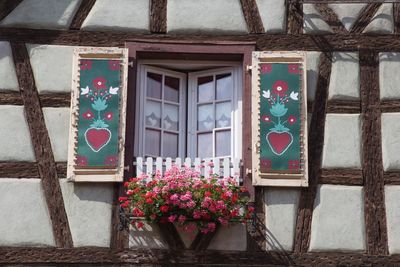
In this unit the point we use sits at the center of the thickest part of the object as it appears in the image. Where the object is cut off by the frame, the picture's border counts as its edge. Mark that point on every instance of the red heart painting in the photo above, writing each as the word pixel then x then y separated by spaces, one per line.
pixel 97 138
pixel 279 141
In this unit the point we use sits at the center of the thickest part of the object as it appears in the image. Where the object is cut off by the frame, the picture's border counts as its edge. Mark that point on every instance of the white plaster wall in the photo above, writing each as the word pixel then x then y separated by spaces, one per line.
pixel 117 15
pixel 342 143
pixel 338 219
pixel 205 16
pixel 49 14
pixel 392 202
pixel 24 217
pixel 148 237
pixel 273 15
pixel 8 77
pixel 382 22
pixel 52 67
pixel 345 77
pixel 347 13
pixel 88 207
pixel 312 73
pixel 232 237
pixel 57 123
pixel 313 22
pixel 281 211
pixel 390 141
pixel 389 78
pixel 15 139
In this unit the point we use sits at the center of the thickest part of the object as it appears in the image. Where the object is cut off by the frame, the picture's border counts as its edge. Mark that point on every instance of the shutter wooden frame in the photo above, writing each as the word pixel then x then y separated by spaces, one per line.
pixel 97 174
pixel 278 178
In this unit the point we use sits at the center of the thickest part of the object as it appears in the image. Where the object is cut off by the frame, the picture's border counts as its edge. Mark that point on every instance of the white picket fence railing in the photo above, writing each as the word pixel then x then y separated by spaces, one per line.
pixel 223 167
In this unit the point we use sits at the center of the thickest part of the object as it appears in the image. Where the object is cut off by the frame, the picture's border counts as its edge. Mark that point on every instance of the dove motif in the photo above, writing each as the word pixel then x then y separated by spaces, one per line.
pixel 294 96
pixel 266 94
pixel 114 90
pixel 85 90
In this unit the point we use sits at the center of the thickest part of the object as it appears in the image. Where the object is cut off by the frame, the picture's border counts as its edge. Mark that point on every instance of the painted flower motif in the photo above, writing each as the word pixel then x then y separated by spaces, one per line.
pixel 266 68
pixel 279 88
pixel 109 116
pixel 88 115
pixel 265 164
pixel 293 68
pixel 81 160
pixel 99 83
pixel 111 160
pixel 293 164
pixel 266 118
pixel 292 119
pixel 113 65
pixel 86 64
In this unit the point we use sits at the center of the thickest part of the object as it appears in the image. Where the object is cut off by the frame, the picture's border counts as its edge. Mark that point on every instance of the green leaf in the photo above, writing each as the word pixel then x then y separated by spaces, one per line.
pixel 99 104
pixel 99 124
pixel 278 110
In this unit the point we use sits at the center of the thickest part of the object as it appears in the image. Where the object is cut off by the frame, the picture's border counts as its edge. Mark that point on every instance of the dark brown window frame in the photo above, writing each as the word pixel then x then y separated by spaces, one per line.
pixel 190 50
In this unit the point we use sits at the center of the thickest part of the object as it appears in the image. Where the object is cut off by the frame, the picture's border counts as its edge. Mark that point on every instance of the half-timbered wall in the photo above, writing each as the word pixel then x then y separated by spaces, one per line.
pixel 350 213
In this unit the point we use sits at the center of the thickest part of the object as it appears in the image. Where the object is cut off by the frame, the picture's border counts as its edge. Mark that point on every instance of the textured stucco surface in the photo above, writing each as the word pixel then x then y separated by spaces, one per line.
pixel 48 14
pixel 338 219
pixel 8 77
pixel 15 139
pixel 312 73
pixel 392 200
pixel 342 144
pixel 391 141
pixel 24 218
pixel 205 16
pixel 281 211
pixel 232 237
pixel 117 15
pixel 147 237
pixel 88 208
pixel 313 22
pixel 52 67
pixel 345 77
pixel 348 13
pixel 57 123
pixel 273 15
pixel 389 78
pixel 382 22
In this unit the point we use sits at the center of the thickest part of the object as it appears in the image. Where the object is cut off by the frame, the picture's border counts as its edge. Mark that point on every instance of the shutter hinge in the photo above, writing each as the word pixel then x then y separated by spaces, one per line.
pixel 249 67
pixel 130 64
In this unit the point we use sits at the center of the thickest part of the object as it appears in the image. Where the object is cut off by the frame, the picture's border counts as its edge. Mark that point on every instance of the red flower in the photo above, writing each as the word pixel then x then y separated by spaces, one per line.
pixel 207 194
pixel 111 160
pixel 266 68
pixel 81 160
pixel 293 165
pixel 88 115
pixel 279 88
pixel 99 83
pixel 292 119
pixel 139 225
pixel 113 65
pixel 86 64
pixel 293 68
pixel 164 209
pixel 109 116
pixel 122 199
pixel 149 201
pixel 266 118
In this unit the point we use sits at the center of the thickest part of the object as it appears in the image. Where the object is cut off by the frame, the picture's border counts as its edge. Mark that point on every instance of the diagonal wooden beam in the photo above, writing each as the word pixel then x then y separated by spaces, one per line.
pixel 42 147
pixel 374 194
pixel 7 6
pixel 171 236
pixel 202 241
pixel 252 16
pixel 316 134
pixel 330 17
pixel 365 17
pixel 294 16
pixel 81 14
pixel 158 16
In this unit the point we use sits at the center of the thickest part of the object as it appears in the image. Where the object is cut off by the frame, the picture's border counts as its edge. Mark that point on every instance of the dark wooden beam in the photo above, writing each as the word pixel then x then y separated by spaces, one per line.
pixel 158 16
pixel 7 6
pixel 316 134
pixel 392 178
pixel 257 230
pixel 294 17
pixel 119 237
pixel 330 17
pixel 202 241
pixel 344 106
pixel 55 100
pixel 171 236
pixel 252 16
pixel 392 105
pixel 10 98
pixel 42 146
pixel 365 17
pixel 81 14
pixel 396 17
pixel 341 177
pixel 374 194
pixel 19 170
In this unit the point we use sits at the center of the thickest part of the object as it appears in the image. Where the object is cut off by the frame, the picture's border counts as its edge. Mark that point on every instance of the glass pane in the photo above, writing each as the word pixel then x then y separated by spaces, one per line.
pixel 171 89
pixel 171 117
pixel 152 142
pixel 205 117
pixel 204 145
pixel 224 86
pixel 223 143
pixel 170 145
pixel 153 114
pixel 223 114
pixel 154 82
pixel 205 92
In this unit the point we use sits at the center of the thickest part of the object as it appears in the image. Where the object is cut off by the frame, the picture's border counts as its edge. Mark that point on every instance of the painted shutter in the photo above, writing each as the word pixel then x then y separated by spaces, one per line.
pixel 98 109
pixel 279 119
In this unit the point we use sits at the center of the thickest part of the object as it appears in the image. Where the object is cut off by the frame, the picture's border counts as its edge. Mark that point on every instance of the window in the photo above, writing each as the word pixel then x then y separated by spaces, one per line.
pixel 187 112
